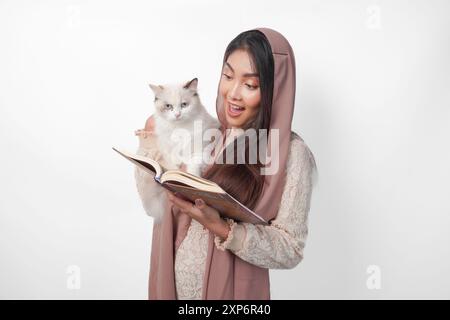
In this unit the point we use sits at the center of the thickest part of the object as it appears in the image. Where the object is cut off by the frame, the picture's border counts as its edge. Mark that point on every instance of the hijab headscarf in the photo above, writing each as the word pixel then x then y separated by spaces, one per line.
pixel 226 275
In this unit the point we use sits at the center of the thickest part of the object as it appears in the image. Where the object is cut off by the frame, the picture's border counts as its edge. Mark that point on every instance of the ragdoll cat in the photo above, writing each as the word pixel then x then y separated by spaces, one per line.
pixel 177 109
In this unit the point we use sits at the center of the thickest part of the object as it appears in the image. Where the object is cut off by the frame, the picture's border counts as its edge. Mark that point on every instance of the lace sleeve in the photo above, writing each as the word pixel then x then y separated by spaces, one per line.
pixel 279 245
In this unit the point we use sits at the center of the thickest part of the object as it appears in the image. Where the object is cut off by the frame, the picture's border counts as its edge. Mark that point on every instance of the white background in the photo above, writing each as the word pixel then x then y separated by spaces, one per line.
pixel 372 103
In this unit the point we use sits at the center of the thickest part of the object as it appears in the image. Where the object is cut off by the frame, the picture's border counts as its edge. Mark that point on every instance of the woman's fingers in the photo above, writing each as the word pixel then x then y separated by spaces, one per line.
pixel 150 124
pixel 199 203
pixel 182 204
pixel 199 211
pixel 143 133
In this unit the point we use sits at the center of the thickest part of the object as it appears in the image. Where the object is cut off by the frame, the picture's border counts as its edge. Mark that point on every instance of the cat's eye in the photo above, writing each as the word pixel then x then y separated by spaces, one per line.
pixel 168 106
pixel 184 105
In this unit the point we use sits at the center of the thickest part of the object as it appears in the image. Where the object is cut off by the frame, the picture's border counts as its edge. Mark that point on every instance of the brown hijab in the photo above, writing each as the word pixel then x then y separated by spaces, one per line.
pixel 226 275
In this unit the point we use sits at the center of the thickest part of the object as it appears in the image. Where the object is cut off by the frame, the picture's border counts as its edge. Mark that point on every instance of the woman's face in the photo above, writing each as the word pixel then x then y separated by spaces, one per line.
pixel 239 88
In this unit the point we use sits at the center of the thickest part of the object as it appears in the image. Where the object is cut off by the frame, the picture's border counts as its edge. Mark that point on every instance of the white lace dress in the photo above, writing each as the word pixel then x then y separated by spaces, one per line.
pixel 276 246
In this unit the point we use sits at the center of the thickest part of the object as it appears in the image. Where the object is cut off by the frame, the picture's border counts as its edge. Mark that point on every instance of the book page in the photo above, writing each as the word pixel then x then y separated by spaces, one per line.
pixel 190 180
pixel 147 164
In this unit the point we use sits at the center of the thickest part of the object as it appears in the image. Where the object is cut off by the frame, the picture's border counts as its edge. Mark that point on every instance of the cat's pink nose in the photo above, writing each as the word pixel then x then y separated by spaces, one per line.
pixel 177 115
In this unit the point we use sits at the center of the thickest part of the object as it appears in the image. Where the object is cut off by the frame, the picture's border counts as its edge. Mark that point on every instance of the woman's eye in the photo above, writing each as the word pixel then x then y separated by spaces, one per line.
pixel 251 87
pixel 227 76
pixel 168 106
pixel 184 105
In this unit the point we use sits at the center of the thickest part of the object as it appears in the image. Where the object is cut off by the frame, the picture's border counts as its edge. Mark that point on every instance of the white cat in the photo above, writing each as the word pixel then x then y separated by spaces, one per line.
pixel 177 110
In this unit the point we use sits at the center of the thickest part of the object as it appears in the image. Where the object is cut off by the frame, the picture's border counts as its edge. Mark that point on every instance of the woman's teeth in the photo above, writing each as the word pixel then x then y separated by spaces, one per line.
pixel 234 111
pixel 236 108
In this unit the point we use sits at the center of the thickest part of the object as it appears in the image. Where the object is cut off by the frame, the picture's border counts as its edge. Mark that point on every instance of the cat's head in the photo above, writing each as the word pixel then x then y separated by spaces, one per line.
pixel 176 102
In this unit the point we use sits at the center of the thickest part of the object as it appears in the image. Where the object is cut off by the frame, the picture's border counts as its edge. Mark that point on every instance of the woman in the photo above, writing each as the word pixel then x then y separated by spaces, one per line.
pixel 196 254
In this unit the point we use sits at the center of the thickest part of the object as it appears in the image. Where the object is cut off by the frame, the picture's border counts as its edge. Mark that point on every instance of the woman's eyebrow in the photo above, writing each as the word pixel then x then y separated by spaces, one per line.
pixel 245 74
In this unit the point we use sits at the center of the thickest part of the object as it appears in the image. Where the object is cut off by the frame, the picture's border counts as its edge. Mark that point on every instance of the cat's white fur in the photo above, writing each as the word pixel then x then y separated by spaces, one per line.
pixel 167 146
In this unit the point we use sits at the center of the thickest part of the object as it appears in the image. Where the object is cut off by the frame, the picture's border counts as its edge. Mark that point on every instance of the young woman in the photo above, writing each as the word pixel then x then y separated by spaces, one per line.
pixel 196 254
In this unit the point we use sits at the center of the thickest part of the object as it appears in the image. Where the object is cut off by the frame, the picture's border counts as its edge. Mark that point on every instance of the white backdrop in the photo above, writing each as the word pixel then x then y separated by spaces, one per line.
pixel 372 103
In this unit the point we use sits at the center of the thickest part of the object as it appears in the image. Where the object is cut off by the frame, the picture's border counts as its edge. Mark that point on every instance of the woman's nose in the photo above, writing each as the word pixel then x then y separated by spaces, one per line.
pixel 234 92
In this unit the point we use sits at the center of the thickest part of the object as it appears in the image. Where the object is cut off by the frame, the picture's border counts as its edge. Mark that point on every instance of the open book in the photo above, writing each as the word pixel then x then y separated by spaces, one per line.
pixel 191 187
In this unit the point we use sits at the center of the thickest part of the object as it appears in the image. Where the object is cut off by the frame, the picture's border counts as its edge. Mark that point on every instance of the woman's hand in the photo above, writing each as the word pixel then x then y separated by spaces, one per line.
pixel 204 214
pixel 149 128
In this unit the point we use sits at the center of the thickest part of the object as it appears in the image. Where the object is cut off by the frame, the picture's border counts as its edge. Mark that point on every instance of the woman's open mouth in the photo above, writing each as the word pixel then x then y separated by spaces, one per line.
pixel 234 110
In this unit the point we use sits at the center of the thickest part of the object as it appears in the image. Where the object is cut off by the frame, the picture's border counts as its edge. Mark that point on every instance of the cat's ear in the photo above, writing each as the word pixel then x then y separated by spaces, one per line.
pixel 156 89
pixel 191 84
